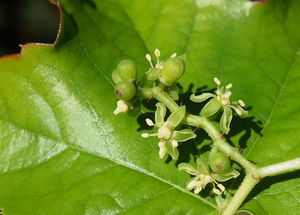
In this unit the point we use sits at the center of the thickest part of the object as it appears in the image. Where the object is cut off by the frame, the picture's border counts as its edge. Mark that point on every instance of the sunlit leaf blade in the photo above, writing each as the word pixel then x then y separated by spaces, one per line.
pixel 63 152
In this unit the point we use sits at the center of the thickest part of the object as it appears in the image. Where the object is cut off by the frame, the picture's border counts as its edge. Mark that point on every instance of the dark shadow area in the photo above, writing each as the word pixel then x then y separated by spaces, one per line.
pixel 89 2
pixel 267 182
pixel 193 148
pixel 142 121
pixel 26 21
pixel 184 98
pixel 247 125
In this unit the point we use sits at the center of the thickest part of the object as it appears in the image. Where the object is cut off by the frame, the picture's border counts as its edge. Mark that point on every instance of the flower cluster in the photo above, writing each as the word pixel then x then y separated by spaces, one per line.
pixel 160 82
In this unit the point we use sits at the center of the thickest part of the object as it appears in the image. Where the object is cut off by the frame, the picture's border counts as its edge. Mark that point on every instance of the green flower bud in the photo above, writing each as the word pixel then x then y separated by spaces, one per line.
pixel 125 90
pixel 219 162
pixel 172 70
pixel 115 76
pixel 127 70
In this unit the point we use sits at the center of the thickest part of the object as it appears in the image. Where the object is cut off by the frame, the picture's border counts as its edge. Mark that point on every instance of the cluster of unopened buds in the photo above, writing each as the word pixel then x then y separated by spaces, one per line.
pixel 214 167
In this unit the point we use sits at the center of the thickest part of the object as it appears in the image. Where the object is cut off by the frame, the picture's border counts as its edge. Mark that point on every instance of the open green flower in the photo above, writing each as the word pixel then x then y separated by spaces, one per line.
pixel 221 99
pixel 202 177
pixel 168 136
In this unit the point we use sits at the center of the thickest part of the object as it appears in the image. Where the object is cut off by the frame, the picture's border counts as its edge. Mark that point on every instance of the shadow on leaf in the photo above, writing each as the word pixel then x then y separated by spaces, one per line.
pixel 200 145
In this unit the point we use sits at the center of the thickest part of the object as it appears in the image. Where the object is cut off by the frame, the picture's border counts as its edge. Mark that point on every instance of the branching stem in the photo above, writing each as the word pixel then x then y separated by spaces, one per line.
pixel 253 173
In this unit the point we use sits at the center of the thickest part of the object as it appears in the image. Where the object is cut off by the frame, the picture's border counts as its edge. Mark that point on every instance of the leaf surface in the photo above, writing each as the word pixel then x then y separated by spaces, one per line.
pixel 63 152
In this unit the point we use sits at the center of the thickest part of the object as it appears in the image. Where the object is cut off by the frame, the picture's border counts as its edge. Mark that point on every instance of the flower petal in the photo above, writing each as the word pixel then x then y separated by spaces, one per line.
pixel 239 110
pixel 211 107
pixel 202 166
pixel 162 150
pixel 171 150
pixel 226 120
pixel 187 168
pixel 160 114
pixel 174 154
pixel 226 176
pixel 184 135
pixel 176 117
pixel 202 97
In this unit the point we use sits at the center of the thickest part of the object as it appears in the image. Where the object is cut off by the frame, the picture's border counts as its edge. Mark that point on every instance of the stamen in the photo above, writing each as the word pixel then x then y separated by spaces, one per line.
pixel 216 191
pixel 229 86
pixel 174 143
pixel 241 103
pixel 173 55
pixel 157 53
pixel 149 122
pixel 222 188
pixel 148 57
pixel 217 81
pixel 145 135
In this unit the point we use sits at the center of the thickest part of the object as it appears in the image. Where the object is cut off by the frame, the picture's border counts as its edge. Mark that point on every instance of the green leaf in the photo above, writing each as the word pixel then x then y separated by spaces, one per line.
pixel 63 152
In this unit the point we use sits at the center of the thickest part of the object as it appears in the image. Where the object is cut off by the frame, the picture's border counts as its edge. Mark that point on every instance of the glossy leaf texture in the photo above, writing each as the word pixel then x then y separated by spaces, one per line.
pixel 63 152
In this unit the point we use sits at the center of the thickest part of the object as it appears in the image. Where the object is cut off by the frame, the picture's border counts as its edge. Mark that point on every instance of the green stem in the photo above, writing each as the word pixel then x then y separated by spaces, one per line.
pixel 280 168
pixel 241 194
pixel 164 98
pixel 219 141
pixel 253 173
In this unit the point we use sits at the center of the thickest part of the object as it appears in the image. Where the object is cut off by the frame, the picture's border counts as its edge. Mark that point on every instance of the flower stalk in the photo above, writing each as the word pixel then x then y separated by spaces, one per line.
pixel 159 82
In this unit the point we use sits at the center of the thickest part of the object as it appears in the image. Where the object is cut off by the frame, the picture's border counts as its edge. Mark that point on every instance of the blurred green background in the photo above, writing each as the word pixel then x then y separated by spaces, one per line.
pixel 23 21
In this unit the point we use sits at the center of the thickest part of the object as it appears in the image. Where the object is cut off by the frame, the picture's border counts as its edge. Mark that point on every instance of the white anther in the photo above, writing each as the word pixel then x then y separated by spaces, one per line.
pixel 216 191
pixel 145 135
pixel 173 55
pixel 217 81
pixel 148 57
pixel 174 143
pixel 229 86
pixel 221 187
pixel 122 107
pixel 149 122
pixel 157 53
pixel 241 103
